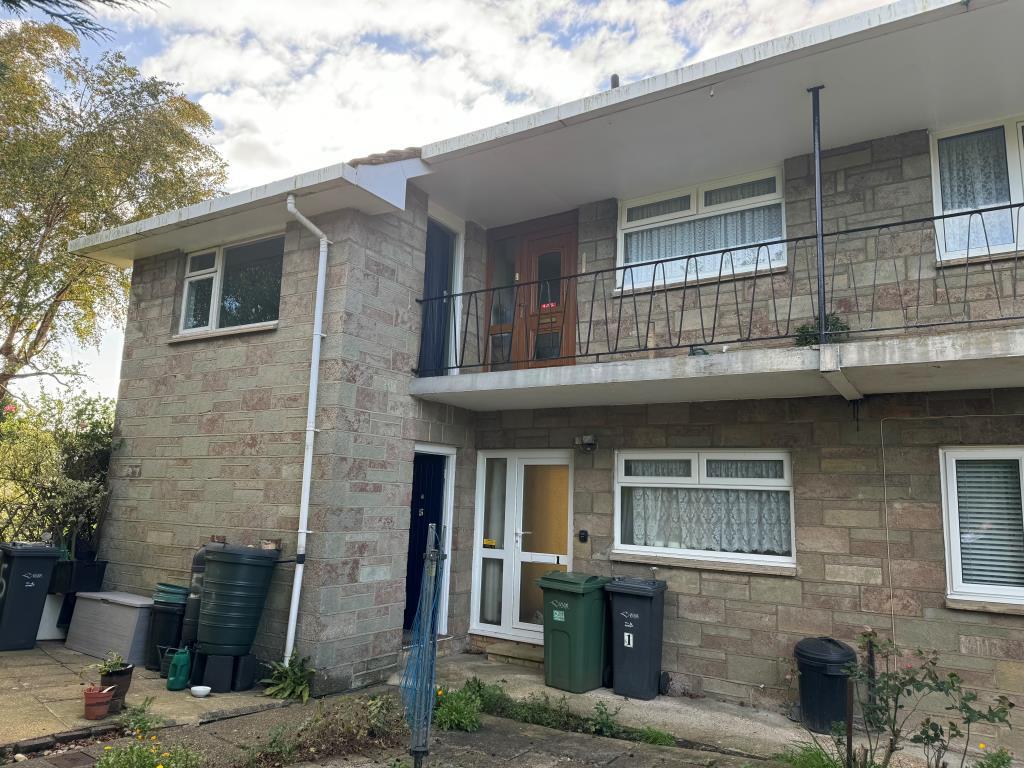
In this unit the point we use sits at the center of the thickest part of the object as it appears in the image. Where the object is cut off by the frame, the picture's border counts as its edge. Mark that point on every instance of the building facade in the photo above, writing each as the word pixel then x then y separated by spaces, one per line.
pixel 576 342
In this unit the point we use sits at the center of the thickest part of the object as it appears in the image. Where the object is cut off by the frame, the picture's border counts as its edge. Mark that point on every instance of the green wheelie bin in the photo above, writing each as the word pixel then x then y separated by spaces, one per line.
pixel 575 631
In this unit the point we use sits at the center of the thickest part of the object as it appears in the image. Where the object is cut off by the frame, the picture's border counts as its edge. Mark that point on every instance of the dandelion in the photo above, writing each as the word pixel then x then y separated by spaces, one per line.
pixel 981 745
pixel 166 754
pixel 152 738
pixel 107 749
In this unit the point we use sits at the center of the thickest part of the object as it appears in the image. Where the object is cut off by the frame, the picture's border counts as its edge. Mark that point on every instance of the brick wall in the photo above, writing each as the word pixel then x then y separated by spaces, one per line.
pixel 869 531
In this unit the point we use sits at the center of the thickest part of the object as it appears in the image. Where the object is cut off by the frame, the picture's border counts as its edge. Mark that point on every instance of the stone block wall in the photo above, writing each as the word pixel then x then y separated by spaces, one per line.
pixel 211 435
pixel 881 279
pixel 869 532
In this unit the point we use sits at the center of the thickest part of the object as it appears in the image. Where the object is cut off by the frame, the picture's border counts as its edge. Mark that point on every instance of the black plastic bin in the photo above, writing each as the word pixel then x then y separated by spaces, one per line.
pixel 25 571
pixel 638 622
pixel 164 630
pixel 823 664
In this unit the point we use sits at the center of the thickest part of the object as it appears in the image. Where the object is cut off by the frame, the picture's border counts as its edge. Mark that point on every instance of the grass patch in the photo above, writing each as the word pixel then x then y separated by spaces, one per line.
pixel 540 709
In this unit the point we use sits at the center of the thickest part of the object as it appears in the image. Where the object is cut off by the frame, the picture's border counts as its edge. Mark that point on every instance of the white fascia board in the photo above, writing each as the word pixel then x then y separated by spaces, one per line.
pixel 868 24
pixel 384 185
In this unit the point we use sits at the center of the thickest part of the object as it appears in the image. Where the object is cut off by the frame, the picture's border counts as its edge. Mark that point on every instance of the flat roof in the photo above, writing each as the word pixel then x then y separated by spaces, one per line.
pixel 626 141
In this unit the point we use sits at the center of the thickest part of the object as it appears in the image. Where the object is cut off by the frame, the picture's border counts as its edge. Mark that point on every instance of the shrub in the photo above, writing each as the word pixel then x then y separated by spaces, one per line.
pixel 602 722
pixel 457 710
pixel 54 456
pixel 289 680
pixel 999 758
pixel 137 719
pixel 838 330
pixel 149 754
pixel 890 699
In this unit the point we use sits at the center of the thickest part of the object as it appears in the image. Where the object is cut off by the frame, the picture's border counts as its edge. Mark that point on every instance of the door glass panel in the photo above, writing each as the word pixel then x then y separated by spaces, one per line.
pixel 503 275
pixel 531 597
pixel 494 504
pixel 549 345
pixel 545 523
pixel 501 351
pixel 491 576
pixel 549 281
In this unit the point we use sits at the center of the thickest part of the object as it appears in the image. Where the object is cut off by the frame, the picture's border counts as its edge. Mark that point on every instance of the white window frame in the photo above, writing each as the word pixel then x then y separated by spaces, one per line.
pixel 699 210
pixel 955 586
pixel 1013 128
pixel 699 479
pixel 217 272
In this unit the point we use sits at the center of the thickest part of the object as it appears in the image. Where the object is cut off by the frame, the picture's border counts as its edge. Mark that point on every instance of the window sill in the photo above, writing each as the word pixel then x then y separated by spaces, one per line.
pixel 984 606
pixel 1006 254
pixel 219 332
pixel 672 561
pixel 678 285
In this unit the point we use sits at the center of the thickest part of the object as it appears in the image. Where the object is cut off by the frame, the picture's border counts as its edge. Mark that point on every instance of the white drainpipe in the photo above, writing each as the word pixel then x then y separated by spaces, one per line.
pixel 307 457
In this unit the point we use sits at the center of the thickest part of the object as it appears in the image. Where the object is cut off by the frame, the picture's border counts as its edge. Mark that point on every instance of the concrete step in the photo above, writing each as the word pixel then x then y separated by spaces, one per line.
pixel 522 654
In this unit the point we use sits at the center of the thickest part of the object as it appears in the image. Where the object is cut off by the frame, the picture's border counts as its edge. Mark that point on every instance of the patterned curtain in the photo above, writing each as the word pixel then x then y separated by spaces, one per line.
pixel 711 233
pixel 973 174
pixel 711 519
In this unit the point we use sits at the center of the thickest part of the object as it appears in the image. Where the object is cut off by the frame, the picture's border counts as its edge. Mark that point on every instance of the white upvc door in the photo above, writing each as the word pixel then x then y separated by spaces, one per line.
pixel 523 530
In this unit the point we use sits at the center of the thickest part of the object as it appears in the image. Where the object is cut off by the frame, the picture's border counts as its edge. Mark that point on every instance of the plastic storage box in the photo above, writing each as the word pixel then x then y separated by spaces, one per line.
pixel 111 621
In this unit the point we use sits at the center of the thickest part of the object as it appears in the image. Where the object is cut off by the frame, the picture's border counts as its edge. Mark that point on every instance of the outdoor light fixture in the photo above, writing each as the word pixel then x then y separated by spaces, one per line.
pixel 585 443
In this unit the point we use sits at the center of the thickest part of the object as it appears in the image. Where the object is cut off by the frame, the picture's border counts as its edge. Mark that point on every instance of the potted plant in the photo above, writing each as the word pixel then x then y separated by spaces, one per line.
pixel 97 701
pixel 115 674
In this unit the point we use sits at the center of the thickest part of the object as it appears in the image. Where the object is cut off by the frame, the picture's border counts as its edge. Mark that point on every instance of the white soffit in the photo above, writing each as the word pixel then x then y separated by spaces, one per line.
pixel 372 189
pixel 907 66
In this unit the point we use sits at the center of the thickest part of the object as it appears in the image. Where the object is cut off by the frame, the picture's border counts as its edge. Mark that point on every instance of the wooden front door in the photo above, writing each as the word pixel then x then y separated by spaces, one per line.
pixel 531 307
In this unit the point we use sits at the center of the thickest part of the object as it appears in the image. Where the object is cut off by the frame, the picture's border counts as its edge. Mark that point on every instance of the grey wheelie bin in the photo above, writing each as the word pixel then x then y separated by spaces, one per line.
pixel 25 571
pixel 638 621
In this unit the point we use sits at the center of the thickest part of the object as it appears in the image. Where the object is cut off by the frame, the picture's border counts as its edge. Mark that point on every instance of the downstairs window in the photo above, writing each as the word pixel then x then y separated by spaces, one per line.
pixel 984 512
pixel 708 505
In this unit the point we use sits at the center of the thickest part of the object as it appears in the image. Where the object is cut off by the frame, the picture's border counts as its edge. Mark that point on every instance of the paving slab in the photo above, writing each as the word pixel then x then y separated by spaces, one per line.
pixel 41 694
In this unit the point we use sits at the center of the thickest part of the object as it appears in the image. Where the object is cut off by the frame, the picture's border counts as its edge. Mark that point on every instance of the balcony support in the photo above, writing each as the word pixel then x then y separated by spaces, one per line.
pixel 830 365
pixel 818 223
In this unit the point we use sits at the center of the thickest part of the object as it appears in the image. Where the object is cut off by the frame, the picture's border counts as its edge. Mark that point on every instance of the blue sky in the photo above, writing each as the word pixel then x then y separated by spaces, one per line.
pixel 299 85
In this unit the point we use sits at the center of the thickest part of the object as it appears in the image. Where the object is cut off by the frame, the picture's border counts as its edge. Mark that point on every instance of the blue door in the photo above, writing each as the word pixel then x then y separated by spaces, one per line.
pixel 426 508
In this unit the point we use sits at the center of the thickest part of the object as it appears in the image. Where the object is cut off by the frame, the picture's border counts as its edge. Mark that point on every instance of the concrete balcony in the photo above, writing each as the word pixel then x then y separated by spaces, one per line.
pixel 966 359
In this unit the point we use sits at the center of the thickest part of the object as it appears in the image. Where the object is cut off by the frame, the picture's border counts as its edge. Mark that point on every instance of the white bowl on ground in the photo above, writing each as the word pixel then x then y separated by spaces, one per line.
pixel 200 691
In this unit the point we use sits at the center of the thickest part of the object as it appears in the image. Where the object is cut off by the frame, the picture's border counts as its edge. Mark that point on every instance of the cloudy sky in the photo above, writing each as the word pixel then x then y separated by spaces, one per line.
pixel 297 85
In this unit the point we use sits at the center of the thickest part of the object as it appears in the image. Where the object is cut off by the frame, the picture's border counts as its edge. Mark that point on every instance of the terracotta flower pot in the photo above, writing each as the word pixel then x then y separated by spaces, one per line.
pixel 121 679
pixel 97 702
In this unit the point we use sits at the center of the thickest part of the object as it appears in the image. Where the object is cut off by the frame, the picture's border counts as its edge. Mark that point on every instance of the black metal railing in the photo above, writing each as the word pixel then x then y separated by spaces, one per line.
pixel 878 278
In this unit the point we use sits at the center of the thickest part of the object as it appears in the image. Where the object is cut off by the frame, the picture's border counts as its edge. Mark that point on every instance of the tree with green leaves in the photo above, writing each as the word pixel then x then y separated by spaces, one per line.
pixel 77 15
pixel 87 146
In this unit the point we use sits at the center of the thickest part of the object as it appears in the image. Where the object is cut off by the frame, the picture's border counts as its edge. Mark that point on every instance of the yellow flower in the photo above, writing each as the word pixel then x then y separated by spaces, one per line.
pixel 108 748
pixel 982 745
pixel 152 738
pixel 166 754
pixel 160 765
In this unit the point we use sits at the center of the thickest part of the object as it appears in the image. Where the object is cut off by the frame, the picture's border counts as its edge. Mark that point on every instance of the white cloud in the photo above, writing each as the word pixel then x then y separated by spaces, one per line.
pixel 298 86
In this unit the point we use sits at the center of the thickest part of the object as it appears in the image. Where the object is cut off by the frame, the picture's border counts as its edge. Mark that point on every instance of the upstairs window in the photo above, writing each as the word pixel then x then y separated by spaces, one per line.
pixel 232 286
pixel 975 170
pixel 984 523
pixel 728 220
pixel 708 505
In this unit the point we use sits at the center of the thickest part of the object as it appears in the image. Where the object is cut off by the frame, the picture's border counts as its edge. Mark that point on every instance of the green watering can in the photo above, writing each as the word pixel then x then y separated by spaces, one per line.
pixel 177 673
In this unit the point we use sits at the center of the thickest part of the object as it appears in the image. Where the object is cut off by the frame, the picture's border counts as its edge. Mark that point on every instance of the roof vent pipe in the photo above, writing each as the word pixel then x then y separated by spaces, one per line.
pixel 615 81
pixel 307 457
